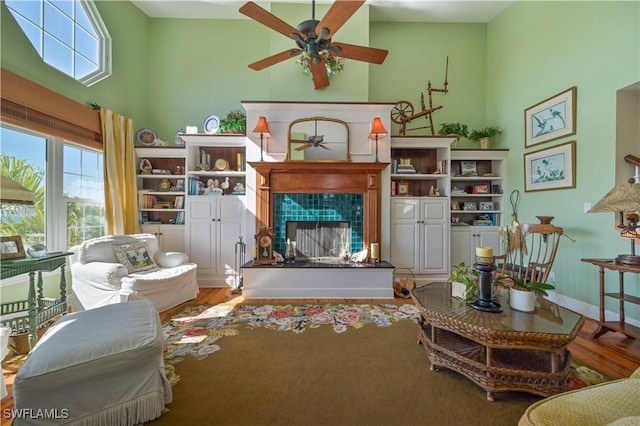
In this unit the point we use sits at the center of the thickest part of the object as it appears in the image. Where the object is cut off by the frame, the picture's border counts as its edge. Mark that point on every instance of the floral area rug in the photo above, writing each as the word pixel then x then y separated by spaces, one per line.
pixel 581 376
pixel 196 330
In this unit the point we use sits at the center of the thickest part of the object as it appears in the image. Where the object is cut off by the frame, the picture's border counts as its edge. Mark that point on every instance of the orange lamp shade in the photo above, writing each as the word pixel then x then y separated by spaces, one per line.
pixel 377 129
pixel 262 128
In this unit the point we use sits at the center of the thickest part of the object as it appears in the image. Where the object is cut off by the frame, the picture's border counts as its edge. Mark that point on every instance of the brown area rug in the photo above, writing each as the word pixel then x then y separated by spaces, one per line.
pixel 371 372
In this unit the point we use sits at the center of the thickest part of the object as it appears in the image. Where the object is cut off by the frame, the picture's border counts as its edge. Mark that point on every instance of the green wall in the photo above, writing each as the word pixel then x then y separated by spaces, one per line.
pixel 417 55
pixel 168 73
pixel 126 91
pixel 594 46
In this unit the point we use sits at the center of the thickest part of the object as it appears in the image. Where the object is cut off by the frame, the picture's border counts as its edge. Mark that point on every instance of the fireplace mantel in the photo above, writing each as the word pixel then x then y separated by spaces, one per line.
pixel 321 177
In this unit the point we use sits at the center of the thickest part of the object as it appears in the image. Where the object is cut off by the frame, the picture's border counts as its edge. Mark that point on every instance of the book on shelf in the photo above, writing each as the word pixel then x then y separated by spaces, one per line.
pixel 180 218
pixel 178 203
pixel 405 169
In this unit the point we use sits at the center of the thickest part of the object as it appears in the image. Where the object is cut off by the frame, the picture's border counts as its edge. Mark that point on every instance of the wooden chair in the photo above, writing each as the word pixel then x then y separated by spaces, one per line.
pixel 532 260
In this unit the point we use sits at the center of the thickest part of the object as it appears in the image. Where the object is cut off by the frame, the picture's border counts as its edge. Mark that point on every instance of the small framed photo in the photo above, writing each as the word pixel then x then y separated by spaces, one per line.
pixel 468 168
pixel 403 188
pixel 11 247
pixel 482 188
pixel 485 205
pixel 455 205
pixel 469 205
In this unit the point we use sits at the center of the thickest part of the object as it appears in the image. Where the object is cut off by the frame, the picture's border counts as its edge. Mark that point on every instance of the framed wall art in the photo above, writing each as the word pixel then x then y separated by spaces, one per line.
pixel 11 247
pixel 550 168
pixel 551 119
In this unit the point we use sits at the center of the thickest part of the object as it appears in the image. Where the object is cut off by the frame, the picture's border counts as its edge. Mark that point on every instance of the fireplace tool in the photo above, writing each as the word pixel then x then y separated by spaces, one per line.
pixel 240 250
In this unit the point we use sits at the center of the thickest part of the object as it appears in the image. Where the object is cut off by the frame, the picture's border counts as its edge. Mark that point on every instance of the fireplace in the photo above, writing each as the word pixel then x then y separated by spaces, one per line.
pixel 318 240
pixel 328 183
pixel 320 218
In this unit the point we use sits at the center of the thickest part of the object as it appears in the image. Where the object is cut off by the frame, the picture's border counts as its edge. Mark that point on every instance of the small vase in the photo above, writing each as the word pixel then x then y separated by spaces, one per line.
pixel 522 300
pixel 484 143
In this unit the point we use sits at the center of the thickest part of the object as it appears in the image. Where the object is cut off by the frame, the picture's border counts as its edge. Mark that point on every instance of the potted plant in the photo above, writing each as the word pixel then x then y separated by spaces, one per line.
pixel 483 135
pixel 522 294
pixel 454 129
pixel 464 282
pixel 235 122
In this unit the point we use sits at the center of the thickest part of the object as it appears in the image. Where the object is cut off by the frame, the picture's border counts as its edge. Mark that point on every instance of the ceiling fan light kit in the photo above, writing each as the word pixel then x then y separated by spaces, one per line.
pixel 313 38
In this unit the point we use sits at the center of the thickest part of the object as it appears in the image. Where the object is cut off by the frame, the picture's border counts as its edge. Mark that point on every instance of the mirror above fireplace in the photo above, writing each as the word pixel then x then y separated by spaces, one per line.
pixel 318 139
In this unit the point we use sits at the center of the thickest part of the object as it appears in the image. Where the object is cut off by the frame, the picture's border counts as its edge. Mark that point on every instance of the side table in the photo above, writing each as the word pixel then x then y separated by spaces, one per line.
pixel 27 315
pixel 605 326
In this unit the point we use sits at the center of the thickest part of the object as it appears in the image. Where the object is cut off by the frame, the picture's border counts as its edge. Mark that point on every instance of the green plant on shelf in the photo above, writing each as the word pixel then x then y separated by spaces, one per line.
pixel 458 129
pixel 487 132
pixel 235 122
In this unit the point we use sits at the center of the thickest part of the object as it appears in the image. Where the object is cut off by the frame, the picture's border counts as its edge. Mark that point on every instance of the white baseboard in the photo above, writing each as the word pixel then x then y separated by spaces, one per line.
pixel 585 309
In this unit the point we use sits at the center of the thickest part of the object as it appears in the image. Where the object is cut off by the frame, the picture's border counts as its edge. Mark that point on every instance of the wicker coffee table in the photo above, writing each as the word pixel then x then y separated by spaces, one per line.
pixel 505 351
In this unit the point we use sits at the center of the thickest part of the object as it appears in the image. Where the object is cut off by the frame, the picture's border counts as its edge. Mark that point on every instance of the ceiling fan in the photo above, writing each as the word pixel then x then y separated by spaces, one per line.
pixel 313 36
pixel 312 141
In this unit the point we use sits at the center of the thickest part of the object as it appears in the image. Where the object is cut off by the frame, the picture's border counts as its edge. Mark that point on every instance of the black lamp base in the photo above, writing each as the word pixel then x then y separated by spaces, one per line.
pixel 486 306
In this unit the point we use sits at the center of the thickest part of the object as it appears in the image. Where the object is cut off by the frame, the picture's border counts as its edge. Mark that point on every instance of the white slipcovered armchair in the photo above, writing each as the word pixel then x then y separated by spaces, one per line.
pixel 118 268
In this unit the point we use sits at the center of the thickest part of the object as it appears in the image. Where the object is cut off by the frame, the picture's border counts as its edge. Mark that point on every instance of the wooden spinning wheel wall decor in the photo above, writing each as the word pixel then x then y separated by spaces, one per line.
pixel 403 112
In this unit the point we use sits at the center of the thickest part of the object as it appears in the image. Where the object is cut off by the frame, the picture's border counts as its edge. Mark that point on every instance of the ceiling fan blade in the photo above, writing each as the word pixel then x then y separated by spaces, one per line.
pixel 339 12
pixel 359 53
pixel 325 147
pixel 303 147
pixel 319 72
pixel 274 59
pixel 265 17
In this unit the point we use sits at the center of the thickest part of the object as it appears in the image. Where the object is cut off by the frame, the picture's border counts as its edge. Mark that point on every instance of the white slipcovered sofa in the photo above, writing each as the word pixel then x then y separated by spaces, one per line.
pixel 119 268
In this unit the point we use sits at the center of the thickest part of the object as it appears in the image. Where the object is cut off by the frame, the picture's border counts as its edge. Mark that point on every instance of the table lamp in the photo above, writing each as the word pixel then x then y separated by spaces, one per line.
pixel 377 129
pixel 262 129
pixel 624 198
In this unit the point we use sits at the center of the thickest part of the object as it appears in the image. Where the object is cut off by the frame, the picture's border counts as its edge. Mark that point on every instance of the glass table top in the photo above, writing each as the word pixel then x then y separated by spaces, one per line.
pixel 548 318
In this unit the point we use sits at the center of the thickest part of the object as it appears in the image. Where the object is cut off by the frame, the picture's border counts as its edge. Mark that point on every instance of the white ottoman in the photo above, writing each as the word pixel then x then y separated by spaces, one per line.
pixel 102 366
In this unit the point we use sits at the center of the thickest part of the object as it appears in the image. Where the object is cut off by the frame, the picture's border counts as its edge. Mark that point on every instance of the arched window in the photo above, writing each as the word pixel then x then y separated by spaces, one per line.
pixel 69 35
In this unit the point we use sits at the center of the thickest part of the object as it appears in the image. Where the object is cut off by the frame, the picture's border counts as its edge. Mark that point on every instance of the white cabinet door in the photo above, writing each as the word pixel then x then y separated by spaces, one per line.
pixel 202 227
pixel 214 227
pixel 230 228
pixel 461 242
pixel 465 239
pixel 419 235
pixel 405 226
pixel 435 232
pixel 170 237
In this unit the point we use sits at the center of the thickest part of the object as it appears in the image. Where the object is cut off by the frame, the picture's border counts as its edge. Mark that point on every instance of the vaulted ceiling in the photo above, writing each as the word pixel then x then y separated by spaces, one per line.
pixel 381 10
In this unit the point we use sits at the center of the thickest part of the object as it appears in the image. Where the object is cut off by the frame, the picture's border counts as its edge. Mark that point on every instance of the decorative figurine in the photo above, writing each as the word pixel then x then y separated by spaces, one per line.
pixel 213 187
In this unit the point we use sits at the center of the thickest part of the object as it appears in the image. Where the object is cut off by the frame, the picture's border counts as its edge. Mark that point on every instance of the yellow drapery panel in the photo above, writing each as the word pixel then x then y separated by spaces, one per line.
pixel 121 201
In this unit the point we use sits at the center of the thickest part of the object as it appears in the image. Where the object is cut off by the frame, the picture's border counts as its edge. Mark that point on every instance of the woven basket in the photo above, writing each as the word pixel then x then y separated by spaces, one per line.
pixel 403 282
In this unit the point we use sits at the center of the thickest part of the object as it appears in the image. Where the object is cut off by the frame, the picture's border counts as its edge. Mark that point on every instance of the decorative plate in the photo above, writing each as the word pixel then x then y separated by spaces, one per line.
pixel 211 124
pixel 146 137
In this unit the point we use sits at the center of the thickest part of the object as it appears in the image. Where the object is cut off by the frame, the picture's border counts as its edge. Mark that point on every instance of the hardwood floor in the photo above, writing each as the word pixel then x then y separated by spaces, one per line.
pixel 612 354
